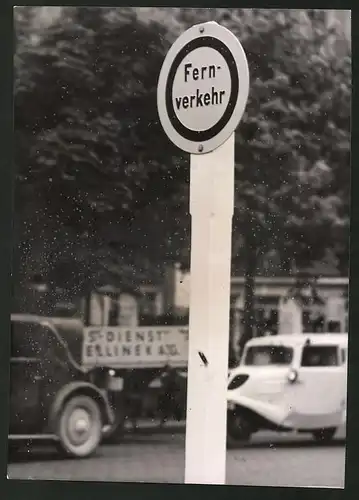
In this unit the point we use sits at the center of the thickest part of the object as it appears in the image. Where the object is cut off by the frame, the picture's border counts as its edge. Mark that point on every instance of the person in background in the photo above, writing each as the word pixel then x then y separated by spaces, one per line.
pixel 169 400
pixel 134 394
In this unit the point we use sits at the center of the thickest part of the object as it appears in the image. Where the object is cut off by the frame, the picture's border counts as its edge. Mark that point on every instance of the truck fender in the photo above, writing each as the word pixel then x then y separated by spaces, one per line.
pixel 83 388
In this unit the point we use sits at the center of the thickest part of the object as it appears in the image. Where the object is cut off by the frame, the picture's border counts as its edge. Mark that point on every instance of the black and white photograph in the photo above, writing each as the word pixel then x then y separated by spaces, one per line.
pixel 181 223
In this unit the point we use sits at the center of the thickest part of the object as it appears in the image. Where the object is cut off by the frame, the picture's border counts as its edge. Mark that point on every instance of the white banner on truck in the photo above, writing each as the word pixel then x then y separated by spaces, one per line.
pixel 144 346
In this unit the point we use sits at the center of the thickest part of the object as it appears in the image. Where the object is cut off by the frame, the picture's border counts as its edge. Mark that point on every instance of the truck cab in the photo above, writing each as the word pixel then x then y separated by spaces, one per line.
pixel 52 396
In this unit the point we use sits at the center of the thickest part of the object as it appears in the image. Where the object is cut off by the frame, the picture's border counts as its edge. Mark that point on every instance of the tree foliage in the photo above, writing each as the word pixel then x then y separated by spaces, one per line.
pixel 292 146
pixel 293 143
pixel 96 198
pixel 96 170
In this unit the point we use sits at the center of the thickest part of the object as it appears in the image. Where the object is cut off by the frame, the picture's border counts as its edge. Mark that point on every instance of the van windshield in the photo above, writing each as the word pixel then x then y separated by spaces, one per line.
pixel 266 355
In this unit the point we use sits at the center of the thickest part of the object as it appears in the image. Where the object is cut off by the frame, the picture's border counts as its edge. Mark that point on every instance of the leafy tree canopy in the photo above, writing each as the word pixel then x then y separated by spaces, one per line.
pixel 95 170
pixel 293 144
pixel 97 182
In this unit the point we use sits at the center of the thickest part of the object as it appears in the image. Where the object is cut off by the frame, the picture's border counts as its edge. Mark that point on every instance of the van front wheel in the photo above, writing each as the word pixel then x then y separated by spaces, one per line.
pixel 324 435
pixel 239 429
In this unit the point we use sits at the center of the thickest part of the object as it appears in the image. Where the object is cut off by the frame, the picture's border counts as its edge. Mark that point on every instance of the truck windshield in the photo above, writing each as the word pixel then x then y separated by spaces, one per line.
pixel 266 355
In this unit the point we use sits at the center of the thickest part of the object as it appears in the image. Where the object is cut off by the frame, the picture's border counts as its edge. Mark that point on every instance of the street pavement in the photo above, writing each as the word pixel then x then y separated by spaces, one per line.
pixel 270 460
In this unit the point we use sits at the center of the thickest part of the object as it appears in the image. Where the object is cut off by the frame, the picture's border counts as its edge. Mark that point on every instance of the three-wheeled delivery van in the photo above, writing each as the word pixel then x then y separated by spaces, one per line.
pixel 289 383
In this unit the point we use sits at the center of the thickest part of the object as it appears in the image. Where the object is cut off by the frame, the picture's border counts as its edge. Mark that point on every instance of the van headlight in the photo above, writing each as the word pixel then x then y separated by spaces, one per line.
pixel 237 381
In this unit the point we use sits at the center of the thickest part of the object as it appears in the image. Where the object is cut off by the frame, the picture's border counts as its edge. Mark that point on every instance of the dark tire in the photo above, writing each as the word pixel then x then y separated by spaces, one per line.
pixel 79 427
pixel 324 435
pixel 239 430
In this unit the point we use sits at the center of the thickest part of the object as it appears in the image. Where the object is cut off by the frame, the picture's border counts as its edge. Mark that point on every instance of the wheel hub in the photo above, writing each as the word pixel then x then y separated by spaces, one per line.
pixel 79 426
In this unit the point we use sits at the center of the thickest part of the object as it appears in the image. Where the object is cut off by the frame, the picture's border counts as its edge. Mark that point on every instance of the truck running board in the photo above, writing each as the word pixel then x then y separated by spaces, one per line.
pixel 28 437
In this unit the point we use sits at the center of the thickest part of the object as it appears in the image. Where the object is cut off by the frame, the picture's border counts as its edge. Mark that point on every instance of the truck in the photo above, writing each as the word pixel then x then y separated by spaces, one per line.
pixel 128 360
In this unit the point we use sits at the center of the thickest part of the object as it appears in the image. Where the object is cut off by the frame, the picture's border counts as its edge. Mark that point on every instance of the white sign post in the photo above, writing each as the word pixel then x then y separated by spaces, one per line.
pixel 202 93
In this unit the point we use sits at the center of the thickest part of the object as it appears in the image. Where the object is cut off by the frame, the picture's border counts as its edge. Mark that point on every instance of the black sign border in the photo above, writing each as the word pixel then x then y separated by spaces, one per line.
pixel 202 135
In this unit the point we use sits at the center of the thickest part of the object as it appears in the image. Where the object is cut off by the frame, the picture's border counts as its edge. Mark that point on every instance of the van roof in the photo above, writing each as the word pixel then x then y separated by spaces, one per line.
pixel 293 339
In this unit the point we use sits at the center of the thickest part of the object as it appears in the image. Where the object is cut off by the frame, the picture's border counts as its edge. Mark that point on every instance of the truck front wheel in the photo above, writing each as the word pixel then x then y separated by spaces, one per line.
pixel 79 426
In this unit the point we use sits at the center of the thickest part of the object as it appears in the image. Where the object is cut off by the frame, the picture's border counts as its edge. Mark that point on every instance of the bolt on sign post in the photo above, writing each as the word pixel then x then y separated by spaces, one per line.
pixel 201 96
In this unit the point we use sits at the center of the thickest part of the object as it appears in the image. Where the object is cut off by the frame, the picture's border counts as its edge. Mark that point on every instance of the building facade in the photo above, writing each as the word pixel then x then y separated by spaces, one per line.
pixel 173 297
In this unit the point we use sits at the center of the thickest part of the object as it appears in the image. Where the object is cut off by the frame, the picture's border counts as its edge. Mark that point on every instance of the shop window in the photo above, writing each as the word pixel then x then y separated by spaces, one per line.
pixel 334 326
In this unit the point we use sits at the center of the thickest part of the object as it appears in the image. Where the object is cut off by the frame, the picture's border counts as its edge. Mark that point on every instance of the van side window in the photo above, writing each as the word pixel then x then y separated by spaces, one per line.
pixel 320 356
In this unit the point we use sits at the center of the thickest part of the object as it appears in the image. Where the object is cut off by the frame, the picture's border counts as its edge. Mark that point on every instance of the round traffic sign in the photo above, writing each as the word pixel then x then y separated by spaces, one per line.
pixel 203 88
